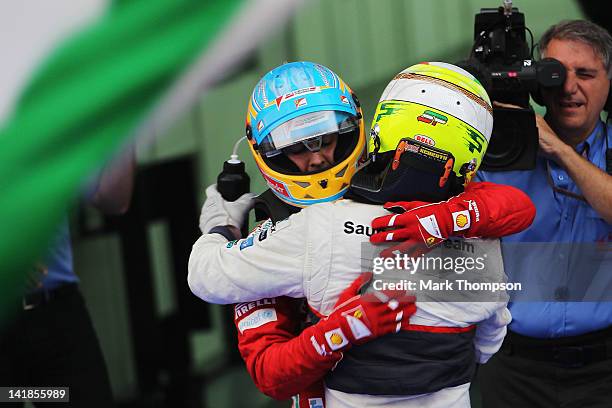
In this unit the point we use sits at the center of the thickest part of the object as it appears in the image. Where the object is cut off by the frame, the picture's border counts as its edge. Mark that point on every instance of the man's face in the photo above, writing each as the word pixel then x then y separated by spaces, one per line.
pixel 308 161
pixel 573 110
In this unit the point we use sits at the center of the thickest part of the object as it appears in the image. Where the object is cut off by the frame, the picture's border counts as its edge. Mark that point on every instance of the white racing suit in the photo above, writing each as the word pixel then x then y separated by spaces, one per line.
pixel 316 254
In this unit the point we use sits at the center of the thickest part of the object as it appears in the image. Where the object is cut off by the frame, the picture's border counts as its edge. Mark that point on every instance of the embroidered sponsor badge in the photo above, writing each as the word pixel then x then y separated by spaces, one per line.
pixel 257 318
pixel 473 207
pixel 461 220
pixel 336 339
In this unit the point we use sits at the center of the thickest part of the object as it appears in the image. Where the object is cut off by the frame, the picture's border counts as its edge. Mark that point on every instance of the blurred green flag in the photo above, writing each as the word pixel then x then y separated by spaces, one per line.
pixel 135 67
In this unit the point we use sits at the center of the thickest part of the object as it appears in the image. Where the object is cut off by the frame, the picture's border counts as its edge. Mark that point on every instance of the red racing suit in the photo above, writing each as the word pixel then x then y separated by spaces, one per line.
pixel 277 350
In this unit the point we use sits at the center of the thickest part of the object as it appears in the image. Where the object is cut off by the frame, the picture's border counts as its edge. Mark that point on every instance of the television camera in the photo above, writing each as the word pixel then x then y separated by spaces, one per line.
pixel 503 61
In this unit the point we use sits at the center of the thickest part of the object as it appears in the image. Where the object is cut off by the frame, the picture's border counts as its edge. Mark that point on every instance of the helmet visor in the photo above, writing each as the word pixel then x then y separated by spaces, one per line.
pixel 309 131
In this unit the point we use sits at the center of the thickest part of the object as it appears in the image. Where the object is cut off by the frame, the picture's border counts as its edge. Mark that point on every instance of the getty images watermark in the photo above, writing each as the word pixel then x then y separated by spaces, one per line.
pixel 440 273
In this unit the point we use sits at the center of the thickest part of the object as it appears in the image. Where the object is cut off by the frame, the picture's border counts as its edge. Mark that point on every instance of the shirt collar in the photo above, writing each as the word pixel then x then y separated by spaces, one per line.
pixel 595 137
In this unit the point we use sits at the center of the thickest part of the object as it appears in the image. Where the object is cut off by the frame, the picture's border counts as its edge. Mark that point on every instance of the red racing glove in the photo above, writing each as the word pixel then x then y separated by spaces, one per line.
pixel 357 319
pixel 283 364
pixel 484 210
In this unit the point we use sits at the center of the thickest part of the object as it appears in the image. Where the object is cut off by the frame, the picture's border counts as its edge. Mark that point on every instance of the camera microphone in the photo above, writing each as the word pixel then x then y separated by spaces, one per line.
pixel 507 7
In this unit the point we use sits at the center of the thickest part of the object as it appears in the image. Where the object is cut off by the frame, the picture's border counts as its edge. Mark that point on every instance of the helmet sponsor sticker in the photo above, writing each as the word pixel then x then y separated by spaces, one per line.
pixel 432 118
pixel 461 220
pixel 257 318
pixel 435 154
pixel 388 108
pixel 336 339
pixel 424 139
pixel 411 148
pixel 344 99
pixel 288 96
pixel 324 72
pixel 473 139
pixel 300 102
pixel 276 185
pixel 260 125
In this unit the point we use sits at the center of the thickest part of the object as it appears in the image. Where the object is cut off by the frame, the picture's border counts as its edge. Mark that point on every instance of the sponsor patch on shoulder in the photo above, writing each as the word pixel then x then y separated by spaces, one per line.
pixel 257 318
pixel 247 242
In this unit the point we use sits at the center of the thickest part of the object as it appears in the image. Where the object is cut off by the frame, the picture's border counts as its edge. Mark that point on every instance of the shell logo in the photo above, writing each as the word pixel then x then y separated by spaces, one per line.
pixel 358 314
pixel 461 220
pixel 336 339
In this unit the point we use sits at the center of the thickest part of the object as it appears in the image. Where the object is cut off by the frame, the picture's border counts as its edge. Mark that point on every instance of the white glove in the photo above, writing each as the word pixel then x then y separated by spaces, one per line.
pixel 218 212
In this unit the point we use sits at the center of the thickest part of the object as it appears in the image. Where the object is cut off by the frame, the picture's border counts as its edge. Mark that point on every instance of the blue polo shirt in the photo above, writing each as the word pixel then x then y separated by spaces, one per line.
pixel 563 259
pixel 59 256
pixel 59 260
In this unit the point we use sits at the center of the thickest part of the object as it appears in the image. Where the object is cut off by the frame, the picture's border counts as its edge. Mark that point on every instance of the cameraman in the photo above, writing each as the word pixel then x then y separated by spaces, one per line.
pixel 558 353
